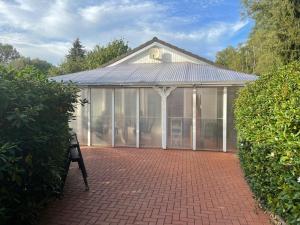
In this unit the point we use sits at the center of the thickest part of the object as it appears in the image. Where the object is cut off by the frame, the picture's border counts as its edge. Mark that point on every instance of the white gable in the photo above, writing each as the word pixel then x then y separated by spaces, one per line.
pixel 168 55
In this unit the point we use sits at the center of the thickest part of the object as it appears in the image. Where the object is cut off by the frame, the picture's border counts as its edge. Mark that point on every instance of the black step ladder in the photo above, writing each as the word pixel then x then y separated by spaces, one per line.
pixel 74 155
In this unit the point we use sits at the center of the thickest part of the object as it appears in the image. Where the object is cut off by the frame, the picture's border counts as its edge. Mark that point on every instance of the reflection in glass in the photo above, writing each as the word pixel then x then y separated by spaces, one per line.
pixel 80 122
pixel 179 113
pixel 150 118
pixel 101 99
pixel 209 118
pixel 125 117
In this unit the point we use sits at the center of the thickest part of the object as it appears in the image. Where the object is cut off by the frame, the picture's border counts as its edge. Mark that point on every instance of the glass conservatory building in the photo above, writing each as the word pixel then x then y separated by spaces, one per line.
pixel 158 96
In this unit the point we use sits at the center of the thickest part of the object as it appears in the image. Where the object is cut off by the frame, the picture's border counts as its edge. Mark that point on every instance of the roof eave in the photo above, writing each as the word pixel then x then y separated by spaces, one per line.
pixel 151 84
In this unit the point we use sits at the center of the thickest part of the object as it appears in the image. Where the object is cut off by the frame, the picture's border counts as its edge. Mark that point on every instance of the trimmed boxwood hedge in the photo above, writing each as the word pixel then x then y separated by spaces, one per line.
pixel 267 114
pixel 34 132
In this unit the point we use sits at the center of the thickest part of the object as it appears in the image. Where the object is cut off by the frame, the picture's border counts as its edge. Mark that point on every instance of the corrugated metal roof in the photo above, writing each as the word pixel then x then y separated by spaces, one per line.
pixel 157 74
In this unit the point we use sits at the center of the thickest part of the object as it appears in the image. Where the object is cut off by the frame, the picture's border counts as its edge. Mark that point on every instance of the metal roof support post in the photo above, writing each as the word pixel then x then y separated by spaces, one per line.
pixel 113 118
pixel 164 121
pixel 137 117
pixel 164 92
pixel 194 118
pixel 89 117
pixel 225 119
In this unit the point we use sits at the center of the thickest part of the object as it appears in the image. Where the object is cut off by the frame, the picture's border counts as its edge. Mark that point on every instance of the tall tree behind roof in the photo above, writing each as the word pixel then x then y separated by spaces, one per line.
pixel 103 54
pixel 74 61
pixel 77 51
pixel 282 18
pixel 275 38
pixel 78 60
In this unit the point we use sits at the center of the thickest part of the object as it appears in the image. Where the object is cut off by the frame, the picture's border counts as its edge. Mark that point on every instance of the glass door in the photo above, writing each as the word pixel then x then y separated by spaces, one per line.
pixel 180 114
pixel 101 117
pixel 125 117
pixel 209 118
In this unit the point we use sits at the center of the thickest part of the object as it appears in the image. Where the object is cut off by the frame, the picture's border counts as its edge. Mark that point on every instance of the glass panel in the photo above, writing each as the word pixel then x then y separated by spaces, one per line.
pixel 209 118
pixel 150 118
pixel 231 131
pixel 80 122
pixel 180 113
pixel 125 117
pixel 101 99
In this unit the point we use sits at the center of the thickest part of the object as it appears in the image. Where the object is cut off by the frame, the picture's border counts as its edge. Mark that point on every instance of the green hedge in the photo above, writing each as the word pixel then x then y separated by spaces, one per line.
pixel 34 114
pixel 267 115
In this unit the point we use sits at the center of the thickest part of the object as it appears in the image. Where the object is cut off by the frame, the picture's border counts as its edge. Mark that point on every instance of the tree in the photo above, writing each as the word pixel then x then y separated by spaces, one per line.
pixel 227 58
pixel 267 121
pixel 74 61
pixel 103 54
pixel 34 116
pixel 239 58
pixel 10 57
pixel 8 53
pixel 23 62
pixel 281 18
pixel 78 60
pixel 77 51
pixel 274 40
pixel 72 66
pixel 55 71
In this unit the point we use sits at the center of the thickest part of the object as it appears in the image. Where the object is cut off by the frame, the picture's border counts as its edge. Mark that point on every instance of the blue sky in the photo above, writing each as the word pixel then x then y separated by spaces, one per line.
pixel 46 29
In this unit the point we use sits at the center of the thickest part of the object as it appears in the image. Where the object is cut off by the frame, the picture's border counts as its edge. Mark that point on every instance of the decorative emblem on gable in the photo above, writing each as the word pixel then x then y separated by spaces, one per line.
pixel 154 53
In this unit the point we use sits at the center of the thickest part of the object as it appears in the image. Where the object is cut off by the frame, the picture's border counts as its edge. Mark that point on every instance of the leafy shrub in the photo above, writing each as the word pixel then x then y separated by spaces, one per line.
pixel 268 122
pixel 34 115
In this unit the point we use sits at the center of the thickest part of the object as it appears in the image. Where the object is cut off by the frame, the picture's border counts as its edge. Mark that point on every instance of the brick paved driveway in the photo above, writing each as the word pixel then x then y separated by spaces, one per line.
pixel 152 186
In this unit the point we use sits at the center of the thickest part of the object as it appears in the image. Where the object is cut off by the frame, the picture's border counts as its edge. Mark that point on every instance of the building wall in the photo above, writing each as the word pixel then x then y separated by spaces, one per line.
pixel 80 121
pixel 137 113
pixel 231 131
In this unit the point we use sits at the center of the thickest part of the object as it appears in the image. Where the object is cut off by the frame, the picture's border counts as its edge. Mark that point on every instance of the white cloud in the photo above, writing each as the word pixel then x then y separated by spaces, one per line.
pixel 46 29
pixel 29 46
pixel 212 33
pixel 27 5
pixel 127 10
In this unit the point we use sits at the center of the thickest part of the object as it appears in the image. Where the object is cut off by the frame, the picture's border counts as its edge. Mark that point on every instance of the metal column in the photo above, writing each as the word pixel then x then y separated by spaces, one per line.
pixel 164 93
pixel 137 117
pixel 89 118
pixel 113 118
pixel 225 120
pixel 194 118
pixel 164 121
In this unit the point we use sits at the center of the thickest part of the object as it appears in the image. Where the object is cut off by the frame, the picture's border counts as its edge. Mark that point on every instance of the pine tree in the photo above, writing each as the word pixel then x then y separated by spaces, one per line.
pixel 77 51
pixel 75 61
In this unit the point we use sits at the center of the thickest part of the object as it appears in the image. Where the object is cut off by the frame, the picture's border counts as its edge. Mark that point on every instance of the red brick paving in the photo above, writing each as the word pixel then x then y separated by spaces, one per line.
pixel 156 187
